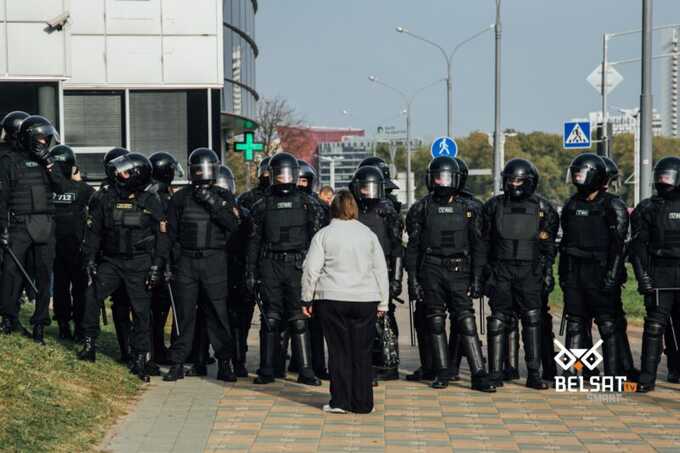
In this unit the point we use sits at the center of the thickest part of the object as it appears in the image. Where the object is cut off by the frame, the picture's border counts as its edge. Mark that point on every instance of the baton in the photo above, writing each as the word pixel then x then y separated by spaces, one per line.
pixel 672 327
pixel 174 309
pixel 482 302
pixel 260 305
pixel 563 322
pixel 102 304
pixel 410 322
pixel 21 268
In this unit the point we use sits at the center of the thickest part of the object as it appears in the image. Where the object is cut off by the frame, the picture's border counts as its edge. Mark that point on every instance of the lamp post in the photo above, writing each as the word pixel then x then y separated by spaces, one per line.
pixel 498 152
pixel 408 100
pixel 448 57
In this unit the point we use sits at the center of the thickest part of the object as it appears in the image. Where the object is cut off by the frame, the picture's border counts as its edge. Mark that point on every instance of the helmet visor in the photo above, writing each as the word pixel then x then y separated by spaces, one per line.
pixel 666 177
pixel 444 178
pixel 203 171
pixel 580 175
pixel 369 190
pixel 179 171
pixel 285 175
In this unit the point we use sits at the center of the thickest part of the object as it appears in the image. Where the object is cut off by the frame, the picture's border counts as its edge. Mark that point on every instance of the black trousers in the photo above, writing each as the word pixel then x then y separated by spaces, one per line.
pixel 128 274
pixel 517 287
pixel 70 283
pixel 281 289
pixel 207 273
pixel 349 328
pixel 13 280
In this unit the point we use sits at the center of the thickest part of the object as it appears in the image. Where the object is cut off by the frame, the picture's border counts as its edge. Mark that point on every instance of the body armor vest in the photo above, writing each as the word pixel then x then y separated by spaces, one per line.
pixel 32 190
pixel 128 229
pixel 664 238
pixel 373 219
pixel 586 234
pixel 517 226
pixel 446 229
pixel 197 231
pixel 285 223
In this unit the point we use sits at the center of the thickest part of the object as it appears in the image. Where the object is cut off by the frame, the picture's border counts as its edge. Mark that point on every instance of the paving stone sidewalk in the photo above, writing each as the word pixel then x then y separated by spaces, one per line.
pixel 204 415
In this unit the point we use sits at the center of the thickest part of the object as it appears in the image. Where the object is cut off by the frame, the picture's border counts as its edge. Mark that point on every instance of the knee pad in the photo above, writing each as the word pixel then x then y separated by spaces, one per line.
pixel 298 326
pixel 532 317
pixel 273 323
pixel 467 326
pixel 496 324
pixel 575 325
pixel 653 327
pixel 437 325
pixel 606 326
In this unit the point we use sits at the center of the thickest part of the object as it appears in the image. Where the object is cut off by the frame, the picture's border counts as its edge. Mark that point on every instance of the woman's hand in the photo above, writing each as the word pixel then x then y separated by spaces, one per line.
pixel 381 313
pixel 307 311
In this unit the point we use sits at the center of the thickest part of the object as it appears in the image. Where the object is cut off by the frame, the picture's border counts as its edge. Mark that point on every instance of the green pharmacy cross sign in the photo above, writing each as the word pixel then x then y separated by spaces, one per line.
pixel 248 147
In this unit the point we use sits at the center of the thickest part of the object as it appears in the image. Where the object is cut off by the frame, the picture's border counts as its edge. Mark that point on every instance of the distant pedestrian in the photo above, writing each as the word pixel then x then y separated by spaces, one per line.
pixel 347 280
pixel 326 194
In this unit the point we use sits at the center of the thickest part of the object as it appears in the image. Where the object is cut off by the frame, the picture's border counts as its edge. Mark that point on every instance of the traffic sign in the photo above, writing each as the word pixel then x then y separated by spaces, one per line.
pixel 248 146
pixel 613 78
pixel 444 146
pixel 577 135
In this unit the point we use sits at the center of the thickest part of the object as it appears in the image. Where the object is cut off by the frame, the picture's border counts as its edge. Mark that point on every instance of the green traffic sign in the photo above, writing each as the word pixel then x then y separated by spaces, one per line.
pixel 248 146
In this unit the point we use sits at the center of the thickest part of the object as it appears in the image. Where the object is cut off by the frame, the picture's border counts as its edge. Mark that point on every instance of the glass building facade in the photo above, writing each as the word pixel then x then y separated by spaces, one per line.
pixel 239 96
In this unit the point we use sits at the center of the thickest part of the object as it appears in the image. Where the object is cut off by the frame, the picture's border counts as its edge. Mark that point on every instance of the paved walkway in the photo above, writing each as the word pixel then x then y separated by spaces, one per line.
pixel 204 415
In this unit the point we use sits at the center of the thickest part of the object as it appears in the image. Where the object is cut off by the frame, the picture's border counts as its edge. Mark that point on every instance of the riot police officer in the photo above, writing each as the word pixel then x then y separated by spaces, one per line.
pixel 164 170
pixel 9 130
pixel 655 255
pixel 378 214
pixel 520 227
pixel 70 281
pixel 28 177
pixel 126 245
pixel 445 258
pixel 623 346
pixel 390 185
pixel 248 199
pixel 285 221
pixel 595 226
pixel 202 217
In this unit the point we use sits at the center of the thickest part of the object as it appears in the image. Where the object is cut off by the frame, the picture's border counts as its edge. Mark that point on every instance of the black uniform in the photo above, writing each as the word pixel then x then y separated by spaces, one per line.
pixel 27 212
pixel 655 255
pixel 521 235
pixel 284 224
pixel 126 238
pixel 202 225
pixel 70 281
pixel 248 199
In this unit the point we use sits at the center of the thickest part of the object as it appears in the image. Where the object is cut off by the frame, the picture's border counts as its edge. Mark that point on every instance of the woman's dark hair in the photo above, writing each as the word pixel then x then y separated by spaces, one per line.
pixel 343 206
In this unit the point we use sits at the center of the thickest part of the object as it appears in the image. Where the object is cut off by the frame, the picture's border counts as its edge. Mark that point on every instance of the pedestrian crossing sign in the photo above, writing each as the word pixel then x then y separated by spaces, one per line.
pixel 577 135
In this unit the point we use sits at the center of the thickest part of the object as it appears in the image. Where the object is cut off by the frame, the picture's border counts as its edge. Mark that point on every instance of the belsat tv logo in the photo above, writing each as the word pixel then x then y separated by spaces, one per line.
pixel 578 359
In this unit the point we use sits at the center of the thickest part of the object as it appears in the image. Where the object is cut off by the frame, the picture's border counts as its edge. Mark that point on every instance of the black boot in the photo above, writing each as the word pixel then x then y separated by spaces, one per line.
pixel 270 342
pixel 65 331
pixel 123 327
pixel 88 353
pixel 239 357
pixel 511 365
pixel 140 367
pixel 671 341
pixel 6 327
pixel 625 353
pixel 455 354
pixel 496 344
pixel 301 340
pixel 548 365
pixel 225 372
pixel 652 339
pixel 440 351
pixel 175 373
pixel 425 372
pixel 473 351
pixel 39 334
pixel 420 375
pixel 18 327
pixel 197 370
pixel 531 333
pixel 607 327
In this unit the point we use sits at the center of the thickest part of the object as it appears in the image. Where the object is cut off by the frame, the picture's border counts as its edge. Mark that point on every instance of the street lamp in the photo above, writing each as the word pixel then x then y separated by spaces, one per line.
pixel 408 100
pixel 448 57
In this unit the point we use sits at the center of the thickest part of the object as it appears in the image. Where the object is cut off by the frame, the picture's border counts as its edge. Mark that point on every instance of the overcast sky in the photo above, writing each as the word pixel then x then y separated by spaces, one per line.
pixel 318 54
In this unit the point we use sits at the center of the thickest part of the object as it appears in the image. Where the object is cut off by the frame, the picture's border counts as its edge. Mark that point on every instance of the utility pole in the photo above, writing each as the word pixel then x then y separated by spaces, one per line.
pixel 409 188
pixel 497 140
pixel 605 117
pixel 646 102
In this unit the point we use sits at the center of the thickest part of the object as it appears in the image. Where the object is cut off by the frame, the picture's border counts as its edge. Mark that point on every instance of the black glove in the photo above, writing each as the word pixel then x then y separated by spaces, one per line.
pixel 203 195
pixel 476 289
pixel 251 282
pixel 167 275
pixel 548 280
pixel 91 270
pixel 4 237
pixel 609 283
pixel 645 284
pixel 415 291
pixel 154 277
pixel 395 289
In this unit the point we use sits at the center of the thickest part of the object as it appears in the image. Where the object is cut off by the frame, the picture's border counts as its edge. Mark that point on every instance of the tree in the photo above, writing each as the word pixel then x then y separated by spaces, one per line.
pixel 273 113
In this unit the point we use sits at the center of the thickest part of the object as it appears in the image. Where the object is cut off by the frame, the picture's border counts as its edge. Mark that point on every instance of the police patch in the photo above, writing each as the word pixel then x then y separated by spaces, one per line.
pixel 674 216
pixel 31 164
pixel 64 198
pixel 581 213
pixel 284 205
pixel 123 205
pixel 445 210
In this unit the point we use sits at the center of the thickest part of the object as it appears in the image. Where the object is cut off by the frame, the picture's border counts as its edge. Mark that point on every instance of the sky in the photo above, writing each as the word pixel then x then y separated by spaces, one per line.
pixel 318 55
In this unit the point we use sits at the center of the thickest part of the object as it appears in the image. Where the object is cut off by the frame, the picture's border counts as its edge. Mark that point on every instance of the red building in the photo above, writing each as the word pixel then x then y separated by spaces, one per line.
pixel 303 142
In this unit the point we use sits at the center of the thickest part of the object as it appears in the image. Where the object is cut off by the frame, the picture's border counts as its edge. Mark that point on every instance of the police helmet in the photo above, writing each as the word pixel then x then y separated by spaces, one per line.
pixel 368 183
pixel 443 176
pixel 263 173
pixel 111 154
pixel 64 155
pixel 225 179
pixel 203 165
pixel 37 135
pixel 285 171
pixel 667 176
pixel 131 172
pixel 613 176
pixel 11 124
pixel 520 178
pixel 588 172
pixel 464 171
pixel 384 168
pixel 165 167
pixel 307 173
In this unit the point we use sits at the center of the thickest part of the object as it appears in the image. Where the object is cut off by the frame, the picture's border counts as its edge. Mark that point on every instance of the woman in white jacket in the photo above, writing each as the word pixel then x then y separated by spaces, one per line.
pixel 346 277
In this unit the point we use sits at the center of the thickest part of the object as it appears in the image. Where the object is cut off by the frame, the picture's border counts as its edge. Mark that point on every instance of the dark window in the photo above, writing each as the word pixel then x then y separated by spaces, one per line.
pixel 34 98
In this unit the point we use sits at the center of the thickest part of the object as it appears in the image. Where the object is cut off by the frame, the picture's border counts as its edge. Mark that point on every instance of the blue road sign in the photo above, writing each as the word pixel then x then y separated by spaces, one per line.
pixel 444 146
pixel 577 135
